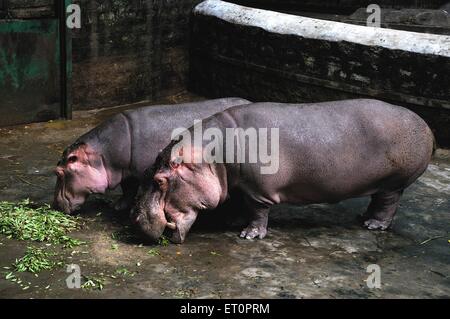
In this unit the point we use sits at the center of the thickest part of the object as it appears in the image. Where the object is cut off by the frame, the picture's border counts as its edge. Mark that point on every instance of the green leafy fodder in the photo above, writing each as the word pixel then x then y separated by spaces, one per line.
pixel 29 222
pixel 163 241
pixel 35 261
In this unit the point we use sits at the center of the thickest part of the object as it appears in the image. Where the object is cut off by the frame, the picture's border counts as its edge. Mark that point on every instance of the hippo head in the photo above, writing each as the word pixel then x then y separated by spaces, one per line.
pixel 79 173
pixel 177 191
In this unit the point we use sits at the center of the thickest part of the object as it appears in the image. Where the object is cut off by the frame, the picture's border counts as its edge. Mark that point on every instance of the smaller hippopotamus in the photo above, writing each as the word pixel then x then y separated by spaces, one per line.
pixel 119 150
pixel 320 153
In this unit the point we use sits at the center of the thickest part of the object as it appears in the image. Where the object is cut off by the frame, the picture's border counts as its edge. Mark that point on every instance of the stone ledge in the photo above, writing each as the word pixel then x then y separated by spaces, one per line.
pixel 326 30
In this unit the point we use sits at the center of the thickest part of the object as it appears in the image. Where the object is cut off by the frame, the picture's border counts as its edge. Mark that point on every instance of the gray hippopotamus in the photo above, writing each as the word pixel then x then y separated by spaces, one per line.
pixel 327 152
pixel 119 150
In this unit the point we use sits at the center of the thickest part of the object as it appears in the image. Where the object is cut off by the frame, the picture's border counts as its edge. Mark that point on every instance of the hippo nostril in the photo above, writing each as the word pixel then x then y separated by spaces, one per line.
pixel 59 172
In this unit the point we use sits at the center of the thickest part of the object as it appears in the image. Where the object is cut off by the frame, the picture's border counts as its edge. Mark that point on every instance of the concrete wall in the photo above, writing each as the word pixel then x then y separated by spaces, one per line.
pixel 264 56
pixel 130 50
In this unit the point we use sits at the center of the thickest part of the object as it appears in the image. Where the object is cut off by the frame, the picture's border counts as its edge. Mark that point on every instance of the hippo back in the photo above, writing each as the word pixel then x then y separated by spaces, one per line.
pixel 130 141
pixel 151 127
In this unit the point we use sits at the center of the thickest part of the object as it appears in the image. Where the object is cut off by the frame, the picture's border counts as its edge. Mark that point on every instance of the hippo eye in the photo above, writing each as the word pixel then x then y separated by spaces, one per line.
pixel 162 183
pixel 72 159
pixel 175 164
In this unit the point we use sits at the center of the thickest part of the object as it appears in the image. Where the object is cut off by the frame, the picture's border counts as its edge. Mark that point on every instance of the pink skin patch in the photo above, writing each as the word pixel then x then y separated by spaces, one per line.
pixel 180 191
pixel 79 174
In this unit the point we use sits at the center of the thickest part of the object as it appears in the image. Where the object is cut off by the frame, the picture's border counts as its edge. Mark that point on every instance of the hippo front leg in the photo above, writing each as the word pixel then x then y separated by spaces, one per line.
pixel 130 189
pixel 257 227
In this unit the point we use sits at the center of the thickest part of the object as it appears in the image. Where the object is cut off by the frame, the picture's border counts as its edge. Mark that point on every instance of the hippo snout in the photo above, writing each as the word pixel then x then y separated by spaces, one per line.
pixel 61 206
pixel 69 207
pixel 149 216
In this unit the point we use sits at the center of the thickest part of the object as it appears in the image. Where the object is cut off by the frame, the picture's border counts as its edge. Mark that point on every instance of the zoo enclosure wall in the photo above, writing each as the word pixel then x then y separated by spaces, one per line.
pixel 268 56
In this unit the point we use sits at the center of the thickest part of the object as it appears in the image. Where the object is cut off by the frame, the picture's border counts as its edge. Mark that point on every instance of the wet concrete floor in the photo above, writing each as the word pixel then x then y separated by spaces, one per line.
pixel 317 251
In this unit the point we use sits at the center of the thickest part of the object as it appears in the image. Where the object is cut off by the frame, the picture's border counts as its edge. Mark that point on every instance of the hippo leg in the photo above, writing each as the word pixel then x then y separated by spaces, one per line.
pixel 257 227
pixel 130 187
pixel 381 210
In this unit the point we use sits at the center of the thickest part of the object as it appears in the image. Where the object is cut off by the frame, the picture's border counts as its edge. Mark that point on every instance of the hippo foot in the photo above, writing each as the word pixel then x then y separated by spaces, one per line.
pixel 253 232
pixel 375 224
pixel 122 205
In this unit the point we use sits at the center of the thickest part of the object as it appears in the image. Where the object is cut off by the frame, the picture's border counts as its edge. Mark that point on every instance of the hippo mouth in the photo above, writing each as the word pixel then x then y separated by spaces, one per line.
pixel 66 202
pixel 156 228
pixel 68 206
pixel 150 217
pixel 179 225
pixel 63 204
pixel 172 231
pixel 170 223
pixel 154 219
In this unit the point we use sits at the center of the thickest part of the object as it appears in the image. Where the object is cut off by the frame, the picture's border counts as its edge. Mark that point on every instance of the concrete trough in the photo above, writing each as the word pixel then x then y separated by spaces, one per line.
pixel 265 55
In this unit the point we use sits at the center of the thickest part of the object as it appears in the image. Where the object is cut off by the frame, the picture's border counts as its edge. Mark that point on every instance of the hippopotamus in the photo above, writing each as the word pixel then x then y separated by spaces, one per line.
pixel 119 150
pixel 327 152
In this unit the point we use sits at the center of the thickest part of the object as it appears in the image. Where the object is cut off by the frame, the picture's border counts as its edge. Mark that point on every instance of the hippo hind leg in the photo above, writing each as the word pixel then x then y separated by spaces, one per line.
pixel 382 209
pixel 257 227
pixel 130 188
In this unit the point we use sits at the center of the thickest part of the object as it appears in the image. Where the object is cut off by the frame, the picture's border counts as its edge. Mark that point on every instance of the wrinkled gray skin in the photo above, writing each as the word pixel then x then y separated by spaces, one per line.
pixel 329 152
pixel 119 150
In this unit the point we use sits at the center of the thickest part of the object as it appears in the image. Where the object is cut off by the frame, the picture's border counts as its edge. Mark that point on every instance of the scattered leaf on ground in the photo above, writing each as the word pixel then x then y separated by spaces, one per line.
pixel 154 252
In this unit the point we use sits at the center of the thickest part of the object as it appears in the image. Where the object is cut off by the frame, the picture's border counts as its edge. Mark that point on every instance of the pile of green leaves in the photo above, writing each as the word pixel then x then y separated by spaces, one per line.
pixel 35 261
pixel 27 221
